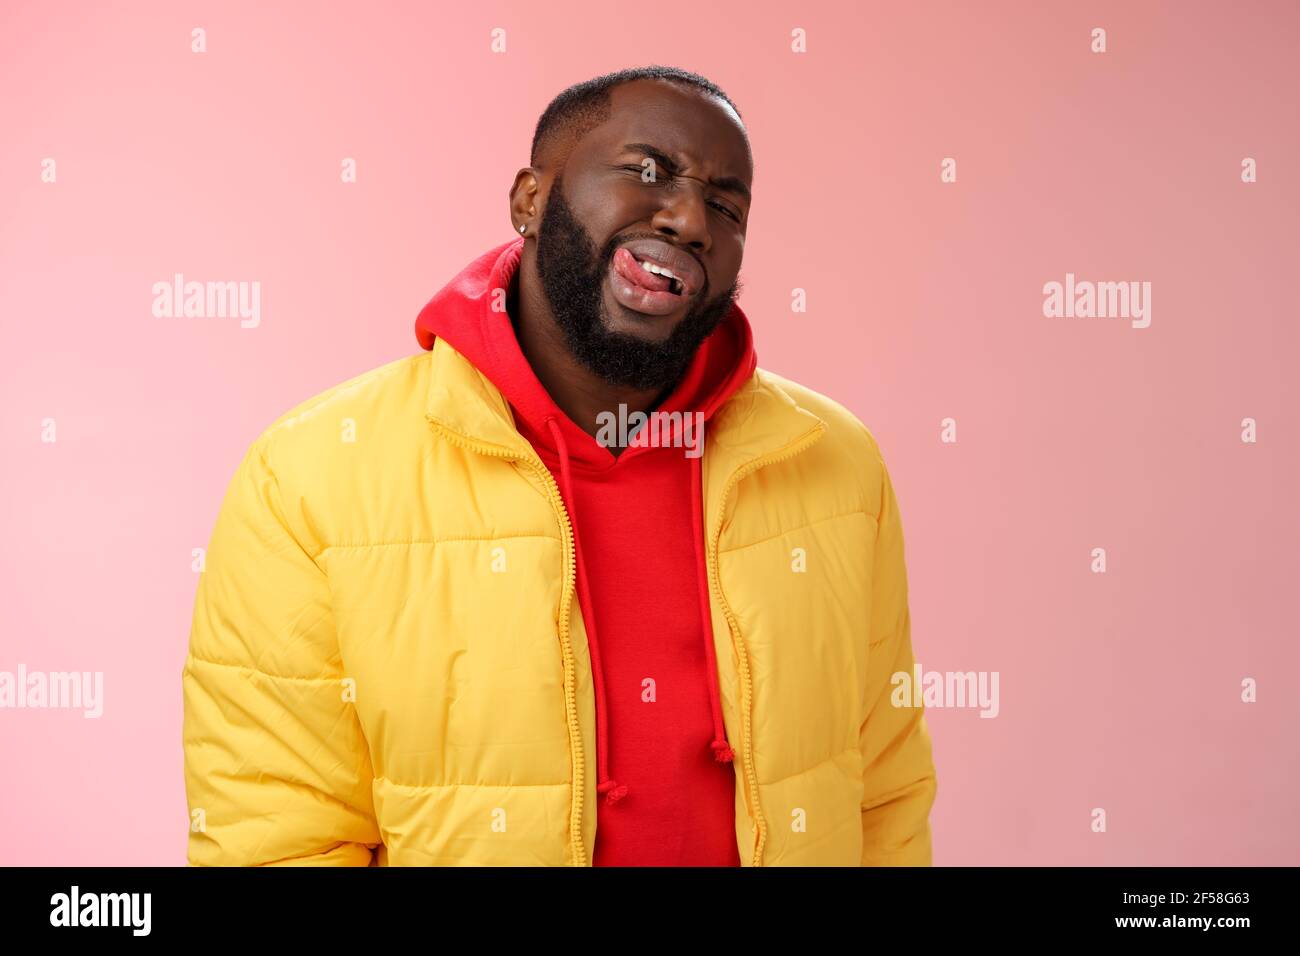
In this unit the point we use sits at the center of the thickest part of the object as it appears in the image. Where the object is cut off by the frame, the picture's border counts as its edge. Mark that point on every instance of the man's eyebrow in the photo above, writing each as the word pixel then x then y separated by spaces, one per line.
pixel 731 183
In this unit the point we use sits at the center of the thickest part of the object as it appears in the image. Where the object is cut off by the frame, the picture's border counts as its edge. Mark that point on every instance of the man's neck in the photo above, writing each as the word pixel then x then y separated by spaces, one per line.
pixel 579 392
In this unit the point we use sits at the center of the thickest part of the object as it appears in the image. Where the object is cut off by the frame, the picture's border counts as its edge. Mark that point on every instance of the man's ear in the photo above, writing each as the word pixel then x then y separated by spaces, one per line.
pixel 523 200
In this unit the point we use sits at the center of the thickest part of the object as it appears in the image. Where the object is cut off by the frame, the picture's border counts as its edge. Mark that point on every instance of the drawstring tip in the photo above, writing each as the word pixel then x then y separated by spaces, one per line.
pixel 614 792
pixel 722 753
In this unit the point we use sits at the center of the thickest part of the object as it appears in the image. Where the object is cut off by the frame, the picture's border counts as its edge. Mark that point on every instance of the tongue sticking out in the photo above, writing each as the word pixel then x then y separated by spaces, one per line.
pixel 631 270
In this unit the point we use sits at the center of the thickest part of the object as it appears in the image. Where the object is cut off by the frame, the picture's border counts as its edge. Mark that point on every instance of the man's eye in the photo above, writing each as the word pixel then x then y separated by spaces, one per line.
pixel 728 210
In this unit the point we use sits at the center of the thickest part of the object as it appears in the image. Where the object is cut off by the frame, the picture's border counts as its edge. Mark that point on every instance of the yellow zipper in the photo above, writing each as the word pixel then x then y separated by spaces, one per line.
pixel 566 600
pixel 746 687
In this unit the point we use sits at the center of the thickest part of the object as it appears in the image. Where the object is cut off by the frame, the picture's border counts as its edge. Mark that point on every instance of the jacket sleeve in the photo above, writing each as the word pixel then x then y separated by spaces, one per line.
pixel 898 769
pixel 277 770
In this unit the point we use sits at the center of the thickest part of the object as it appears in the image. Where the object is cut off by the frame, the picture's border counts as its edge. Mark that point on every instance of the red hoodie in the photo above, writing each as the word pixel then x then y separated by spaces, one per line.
pixel 663 761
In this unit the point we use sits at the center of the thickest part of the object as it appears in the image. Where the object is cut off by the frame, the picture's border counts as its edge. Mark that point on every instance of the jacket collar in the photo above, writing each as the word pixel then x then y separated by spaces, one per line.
pixel 759 420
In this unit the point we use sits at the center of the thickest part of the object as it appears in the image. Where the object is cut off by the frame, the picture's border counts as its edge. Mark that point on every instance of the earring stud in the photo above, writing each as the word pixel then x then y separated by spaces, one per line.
pixel 523 228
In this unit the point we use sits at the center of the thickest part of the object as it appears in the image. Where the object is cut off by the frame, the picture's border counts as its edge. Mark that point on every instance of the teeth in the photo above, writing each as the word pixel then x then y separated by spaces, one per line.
pixel 658 270
pixel 676 286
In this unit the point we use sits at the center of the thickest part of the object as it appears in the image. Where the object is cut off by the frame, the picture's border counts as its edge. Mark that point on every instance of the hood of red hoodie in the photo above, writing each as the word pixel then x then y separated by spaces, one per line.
pixel 463 314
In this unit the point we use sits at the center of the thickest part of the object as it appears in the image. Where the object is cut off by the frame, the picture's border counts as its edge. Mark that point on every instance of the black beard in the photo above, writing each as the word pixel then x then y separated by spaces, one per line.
pixel 573 272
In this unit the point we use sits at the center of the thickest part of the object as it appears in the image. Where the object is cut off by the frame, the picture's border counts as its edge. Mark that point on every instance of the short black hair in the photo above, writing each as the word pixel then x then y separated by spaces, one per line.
pixel 584 106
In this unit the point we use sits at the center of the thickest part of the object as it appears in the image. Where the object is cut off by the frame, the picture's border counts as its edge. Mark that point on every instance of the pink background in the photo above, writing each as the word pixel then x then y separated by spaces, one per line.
pixel 1119 691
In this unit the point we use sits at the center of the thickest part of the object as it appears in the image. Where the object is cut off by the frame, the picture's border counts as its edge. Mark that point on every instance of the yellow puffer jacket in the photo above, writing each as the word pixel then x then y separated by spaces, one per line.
pixel 358 691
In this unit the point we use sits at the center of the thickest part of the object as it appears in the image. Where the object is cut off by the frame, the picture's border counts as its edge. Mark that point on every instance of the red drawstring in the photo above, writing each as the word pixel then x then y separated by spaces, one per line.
pixel 613 791
pixel 722 751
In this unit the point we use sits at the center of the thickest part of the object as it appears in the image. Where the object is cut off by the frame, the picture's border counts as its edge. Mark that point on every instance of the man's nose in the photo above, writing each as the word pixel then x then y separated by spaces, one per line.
pixel 685 214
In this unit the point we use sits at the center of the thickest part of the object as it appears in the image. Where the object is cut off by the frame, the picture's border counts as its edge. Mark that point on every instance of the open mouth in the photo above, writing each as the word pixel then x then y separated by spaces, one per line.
pixel 675 284
pixel 645 286
pixel 665 280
